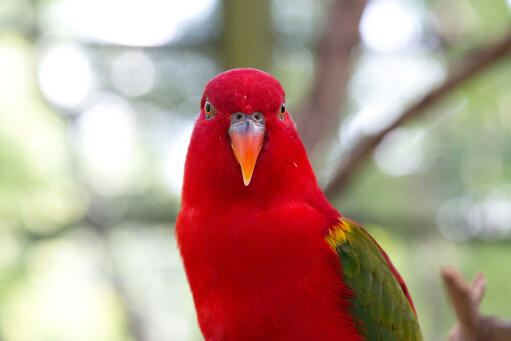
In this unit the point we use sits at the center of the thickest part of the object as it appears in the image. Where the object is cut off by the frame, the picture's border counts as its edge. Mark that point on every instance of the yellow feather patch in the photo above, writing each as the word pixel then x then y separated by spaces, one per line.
pixel 337 234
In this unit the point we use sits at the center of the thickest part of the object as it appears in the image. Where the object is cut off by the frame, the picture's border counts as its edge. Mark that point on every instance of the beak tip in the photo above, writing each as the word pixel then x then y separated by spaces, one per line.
pixel 246 181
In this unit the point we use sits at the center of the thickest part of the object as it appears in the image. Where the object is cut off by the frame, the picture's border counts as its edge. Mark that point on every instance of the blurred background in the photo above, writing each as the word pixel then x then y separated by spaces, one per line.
pixel 97 104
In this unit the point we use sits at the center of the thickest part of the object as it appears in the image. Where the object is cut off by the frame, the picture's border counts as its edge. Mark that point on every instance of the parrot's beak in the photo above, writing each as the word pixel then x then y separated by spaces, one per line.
pixel 247 134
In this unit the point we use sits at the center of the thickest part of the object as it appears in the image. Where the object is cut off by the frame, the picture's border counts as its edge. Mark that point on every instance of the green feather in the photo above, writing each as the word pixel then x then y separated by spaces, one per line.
pixel 379 303
pixel 350 263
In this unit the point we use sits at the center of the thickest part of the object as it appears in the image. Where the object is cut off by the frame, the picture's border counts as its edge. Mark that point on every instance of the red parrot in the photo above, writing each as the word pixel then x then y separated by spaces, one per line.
pixel 266 255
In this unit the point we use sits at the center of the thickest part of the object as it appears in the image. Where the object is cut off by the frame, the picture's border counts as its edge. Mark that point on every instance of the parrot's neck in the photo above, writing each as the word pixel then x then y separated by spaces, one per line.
pixel 268 189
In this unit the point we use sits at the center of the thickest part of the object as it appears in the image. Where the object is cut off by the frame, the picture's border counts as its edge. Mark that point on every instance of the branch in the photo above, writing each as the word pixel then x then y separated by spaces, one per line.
pixel 472 326
pixel 320 111
pixel 135 321
pixel 361 152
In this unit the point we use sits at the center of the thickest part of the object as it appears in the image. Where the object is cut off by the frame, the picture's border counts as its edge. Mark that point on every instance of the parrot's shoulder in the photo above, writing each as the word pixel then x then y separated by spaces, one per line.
pixel 381 304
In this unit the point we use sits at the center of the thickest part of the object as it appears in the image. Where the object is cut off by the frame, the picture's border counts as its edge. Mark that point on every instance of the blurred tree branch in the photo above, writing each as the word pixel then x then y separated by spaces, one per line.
pixel 465 298
pixel 135 321
pixel 363 150
pixel 320 112
pixel 246 40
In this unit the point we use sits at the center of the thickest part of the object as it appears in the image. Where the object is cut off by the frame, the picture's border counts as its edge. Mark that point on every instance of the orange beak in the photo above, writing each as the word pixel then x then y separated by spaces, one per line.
pixel 247 134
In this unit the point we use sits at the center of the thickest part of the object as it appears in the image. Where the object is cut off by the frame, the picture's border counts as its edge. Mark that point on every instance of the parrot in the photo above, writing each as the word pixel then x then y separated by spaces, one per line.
pixel 267 257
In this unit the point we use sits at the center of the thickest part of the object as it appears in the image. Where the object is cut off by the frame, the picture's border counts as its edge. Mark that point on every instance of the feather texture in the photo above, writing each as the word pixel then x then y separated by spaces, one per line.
pixel 381 305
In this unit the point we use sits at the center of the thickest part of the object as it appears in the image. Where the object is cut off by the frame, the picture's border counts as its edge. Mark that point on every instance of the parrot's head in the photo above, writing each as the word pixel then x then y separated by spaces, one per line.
pixel 245 143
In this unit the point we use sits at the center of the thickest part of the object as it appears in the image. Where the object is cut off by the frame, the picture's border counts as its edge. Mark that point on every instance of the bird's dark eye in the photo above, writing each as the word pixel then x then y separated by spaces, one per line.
pixel 208 110
pixel 282 111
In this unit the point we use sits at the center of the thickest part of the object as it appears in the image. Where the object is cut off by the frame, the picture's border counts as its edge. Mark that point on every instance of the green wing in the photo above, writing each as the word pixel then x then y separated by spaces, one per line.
pixel 380 303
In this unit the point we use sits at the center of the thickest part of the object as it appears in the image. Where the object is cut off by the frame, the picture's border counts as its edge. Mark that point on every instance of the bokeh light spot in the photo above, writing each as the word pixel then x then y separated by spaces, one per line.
pixel 133 73
pixel 65 76
pixel 388 26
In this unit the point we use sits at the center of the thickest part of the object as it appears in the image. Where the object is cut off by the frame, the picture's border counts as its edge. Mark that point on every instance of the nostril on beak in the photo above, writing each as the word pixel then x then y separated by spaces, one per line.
pixel 240 117
pixel 237 117
pixel 258 116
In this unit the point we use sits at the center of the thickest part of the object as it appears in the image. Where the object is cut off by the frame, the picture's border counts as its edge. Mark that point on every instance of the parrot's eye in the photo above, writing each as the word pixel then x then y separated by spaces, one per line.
pixel 282 111
pixel 208 110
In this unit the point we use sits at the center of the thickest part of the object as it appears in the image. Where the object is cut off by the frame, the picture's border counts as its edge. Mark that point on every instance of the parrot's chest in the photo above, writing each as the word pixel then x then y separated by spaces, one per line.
pixel 270 277
pixel 271 295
